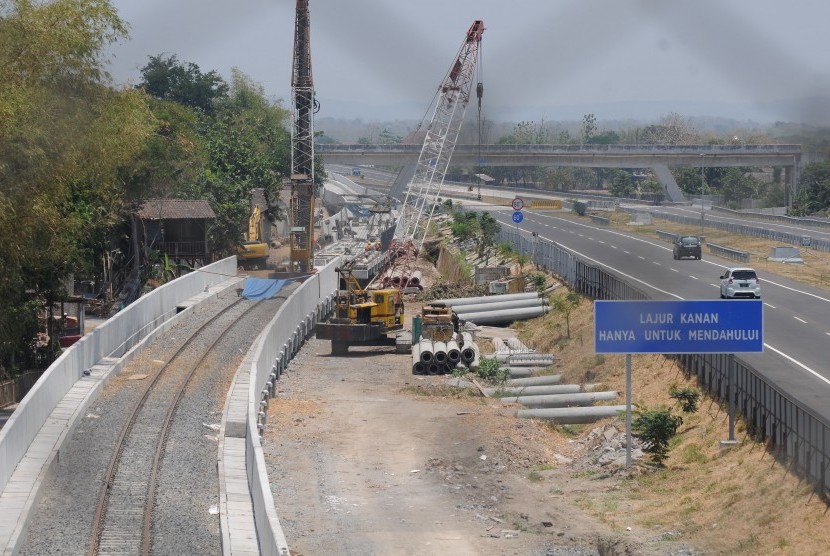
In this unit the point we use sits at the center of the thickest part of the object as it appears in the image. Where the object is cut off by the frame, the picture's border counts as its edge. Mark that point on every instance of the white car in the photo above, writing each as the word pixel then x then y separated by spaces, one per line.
pixel 740 282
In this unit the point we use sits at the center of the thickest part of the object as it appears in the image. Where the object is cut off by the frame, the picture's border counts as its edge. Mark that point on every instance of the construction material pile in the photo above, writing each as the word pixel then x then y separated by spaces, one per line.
pixel 436 357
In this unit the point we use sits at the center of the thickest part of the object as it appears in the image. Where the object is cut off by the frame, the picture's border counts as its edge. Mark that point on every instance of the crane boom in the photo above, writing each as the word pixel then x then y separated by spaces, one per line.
pixel 439 143
pixel 301 209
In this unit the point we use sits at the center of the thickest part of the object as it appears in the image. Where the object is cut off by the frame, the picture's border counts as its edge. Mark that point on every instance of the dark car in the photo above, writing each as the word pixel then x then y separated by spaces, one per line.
pixel 687 246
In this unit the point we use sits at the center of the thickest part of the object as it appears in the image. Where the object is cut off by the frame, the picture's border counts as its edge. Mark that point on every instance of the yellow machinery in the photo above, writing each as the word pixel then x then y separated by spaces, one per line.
pixel 361 317
pixel 253 252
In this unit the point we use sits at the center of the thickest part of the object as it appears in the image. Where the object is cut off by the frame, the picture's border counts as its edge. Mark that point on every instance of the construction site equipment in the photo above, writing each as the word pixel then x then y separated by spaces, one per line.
pixel 301 207
pixel 361 317
pixel 253 252
pixel 437 323
pixel 450 104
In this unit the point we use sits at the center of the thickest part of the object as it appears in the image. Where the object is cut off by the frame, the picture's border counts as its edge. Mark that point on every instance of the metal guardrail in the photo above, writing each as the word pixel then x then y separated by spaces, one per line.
pixel 742 229
pixel 666 236
pixel 728 252
pixel 771 415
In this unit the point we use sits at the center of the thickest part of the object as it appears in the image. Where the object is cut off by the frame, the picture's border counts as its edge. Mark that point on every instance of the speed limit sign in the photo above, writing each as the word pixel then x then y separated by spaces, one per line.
pixel 517 203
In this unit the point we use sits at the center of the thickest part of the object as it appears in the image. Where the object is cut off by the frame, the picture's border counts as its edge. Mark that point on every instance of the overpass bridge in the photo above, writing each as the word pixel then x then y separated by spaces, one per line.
pixel 658 157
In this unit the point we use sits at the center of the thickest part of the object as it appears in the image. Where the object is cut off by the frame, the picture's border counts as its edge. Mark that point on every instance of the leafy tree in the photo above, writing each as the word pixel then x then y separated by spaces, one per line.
pixel 580 208
pixel 655 428
pixel 814 189
pixel 622 184
pixel 168 79
pixel 687 398
pixel 488 230
pixel 65 138
pixel 247 146
pixel 589 127
pixel 564 305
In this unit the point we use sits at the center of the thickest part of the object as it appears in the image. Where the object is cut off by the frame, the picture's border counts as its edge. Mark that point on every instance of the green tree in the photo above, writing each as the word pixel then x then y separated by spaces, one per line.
pixel 655 428
pixel 565 304
pixel 168 79
pixel 488 230
pixel 622 184
pixel 814 189
pixel 65 138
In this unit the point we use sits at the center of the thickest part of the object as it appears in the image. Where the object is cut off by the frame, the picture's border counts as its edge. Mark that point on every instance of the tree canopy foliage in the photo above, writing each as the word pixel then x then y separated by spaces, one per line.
pixel 78 156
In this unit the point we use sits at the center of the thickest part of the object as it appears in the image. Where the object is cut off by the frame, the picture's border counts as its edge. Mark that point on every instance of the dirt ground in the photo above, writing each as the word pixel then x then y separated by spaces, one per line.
pixel 366 458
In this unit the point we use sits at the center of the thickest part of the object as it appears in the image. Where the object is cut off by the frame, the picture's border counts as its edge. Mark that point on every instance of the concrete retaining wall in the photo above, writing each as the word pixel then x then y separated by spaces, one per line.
pixel 112 339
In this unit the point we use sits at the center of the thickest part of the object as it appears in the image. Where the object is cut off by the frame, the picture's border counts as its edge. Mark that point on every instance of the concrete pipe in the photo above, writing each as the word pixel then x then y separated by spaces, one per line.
pixel 500 306
pixel 504 315
pixel 415 279
pixel 533 381
pixel 419 368
pixel 563 400
pixel 453 352
pixel 573 415
pixel 523 359
pixel 540 390
pixel 425 350
pixel 434 368
pixel 457 302
pixel 439 352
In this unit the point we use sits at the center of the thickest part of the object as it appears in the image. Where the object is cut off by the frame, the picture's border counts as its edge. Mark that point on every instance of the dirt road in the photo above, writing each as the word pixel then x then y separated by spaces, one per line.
pixel 365 458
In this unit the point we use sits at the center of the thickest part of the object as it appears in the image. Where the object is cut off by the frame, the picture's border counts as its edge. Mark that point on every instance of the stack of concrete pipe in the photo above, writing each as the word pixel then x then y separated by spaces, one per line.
pixel 436 358
pixel 545 398
pixel 496 309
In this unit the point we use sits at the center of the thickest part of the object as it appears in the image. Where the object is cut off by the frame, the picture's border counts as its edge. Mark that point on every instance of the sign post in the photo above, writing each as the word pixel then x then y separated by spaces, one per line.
pixel 518 203
pixel 700 326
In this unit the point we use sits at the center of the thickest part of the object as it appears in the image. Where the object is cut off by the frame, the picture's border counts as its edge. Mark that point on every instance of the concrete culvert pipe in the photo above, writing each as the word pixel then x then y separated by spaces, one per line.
pixel 453 352
pixel 425 350
pixel 500 306
pixel 573 415
pixel 563 400
pixel 419 368
pixel 532 381
pixel 440 352
pixel 457 302
pixel 540 390
pixel 434 369
pixel 505 315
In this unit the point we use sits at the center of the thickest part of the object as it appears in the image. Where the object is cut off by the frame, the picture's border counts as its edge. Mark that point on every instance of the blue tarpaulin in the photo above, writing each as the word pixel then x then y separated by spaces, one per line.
pixel 257 289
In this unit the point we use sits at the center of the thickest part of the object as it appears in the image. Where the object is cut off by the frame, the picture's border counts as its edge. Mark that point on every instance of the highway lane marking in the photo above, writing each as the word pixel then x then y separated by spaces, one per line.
pixel 800 364
pixel 626 252
pixel 613 247
pixel 621 273
pixel 800 320
pixel 674 270
pixel 693 277
pixel 770 306
pixel 641 257
pixel 634 238
pixel 778 351
pixel 655 262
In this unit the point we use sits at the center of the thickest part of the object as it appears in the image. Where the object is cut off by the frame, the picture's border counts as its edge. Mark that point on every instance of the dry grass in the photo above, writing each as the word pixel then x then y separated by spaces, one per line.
pixel 723 501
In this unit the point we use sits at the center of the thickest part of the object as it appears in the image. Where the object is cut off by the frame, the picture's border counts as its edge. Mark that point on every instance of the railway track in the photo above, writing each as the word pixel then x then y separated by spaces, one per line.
pixel 123 520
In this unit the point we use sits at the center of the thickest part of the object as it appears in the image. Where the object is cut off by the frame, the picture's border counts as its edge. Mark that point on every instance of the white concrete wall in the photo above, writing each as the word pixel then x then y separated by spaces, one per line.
pixel 111 339
pixel 276 346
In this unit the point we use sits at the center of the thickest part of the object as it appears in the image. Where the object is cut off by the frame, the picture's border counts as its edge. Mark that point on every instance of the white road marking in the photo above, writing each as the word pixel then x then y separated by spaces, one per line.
pixel 800 320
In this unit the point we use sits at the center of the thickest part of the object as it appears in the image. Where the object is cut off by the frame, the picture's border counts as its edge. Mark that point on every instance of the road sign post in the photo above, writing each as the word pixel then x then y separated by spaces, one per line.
pixel 699 326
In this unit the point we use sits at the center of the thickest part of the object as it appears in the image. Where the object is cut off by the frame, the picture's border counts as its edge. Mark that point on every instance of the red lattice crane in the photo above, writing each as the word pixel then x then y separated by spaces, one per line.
pixel 451 102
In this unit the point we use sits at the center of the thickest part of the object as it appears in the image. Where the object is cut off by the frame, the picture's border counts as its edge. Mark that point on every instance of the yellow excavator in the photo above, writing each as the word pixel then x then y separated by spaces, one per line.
pixel 253 252
pixel 361 317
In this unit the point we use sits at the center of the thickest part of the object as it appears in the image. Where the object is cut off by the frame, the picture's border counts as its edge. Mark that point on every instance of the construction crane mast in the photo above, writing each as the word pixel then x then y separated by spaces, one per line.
pixel 301 209
pixel 441 135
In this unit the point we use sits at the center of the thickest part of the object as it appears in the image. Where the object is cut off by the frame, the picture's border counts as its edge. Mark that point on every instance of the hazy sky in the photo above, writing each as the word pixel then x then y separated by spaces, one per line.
pixel 765 60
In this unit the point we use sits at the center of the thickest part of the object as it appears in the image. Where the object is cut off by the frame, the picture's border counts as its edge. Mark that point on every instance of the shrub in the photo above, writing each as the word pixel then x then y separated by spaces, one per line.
pixel 492 370
pixel 580 208
pixel 687 398
pixel 655 428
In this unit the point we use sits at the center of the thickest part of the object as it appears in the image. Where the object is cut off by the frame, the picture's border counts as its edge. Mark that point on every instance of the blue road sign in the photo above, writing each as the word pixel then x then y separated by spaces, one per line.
pixel 716 326
pixel 518 216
